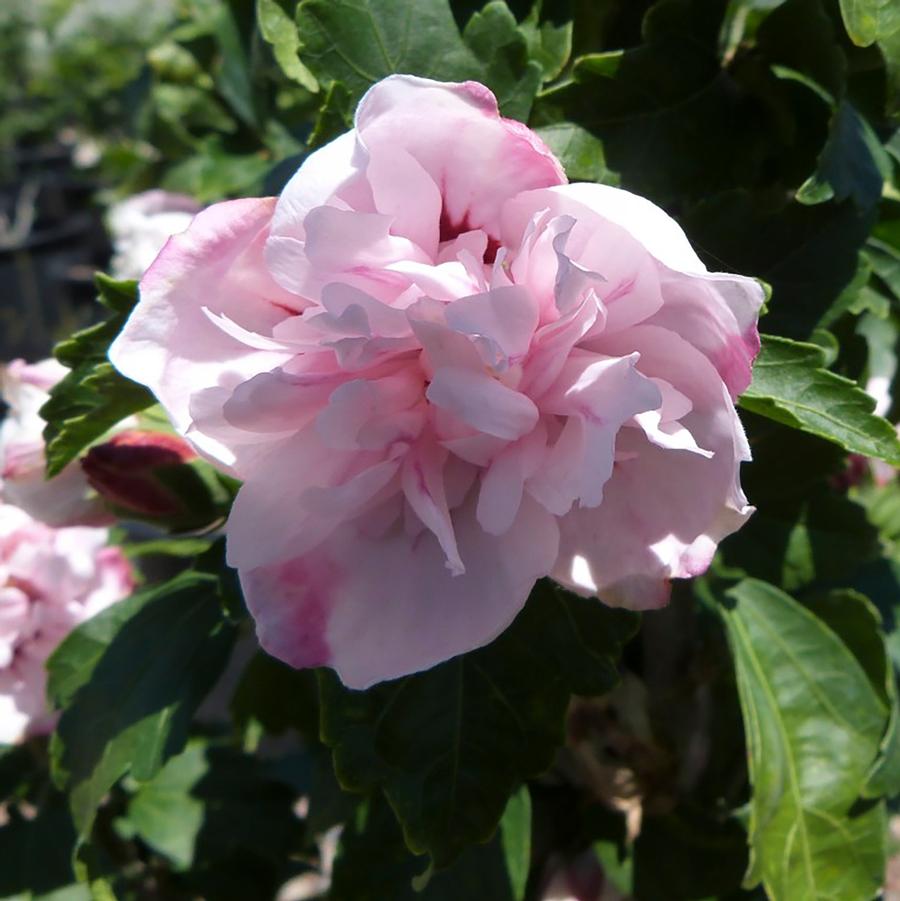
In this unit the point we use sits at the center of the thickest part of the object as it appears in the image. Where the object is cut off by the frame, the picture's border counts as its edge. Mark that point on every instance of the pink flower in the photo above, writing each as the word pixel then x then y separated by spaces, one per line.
pixel 442 373
pixel 62 501
pixel 50 581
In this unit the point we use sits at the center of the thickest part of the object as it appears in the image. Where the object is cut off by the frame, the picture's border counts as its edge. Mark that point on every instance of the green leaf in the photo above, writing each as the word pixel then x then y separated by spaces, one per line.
pixel 359 43
pixel 868 21
pixel 853 164
pixel 808 254
pixel 853 617
pixel 233 76
pixel 813 722
pixel 279 29
pixel 884 257
pixel 129 681
pixel 806 530
pixel 890 51
pixel 373 863
pixel 276 696
pixel 227 816
pixel 791 386
pixel 819 58
pixel 497 41
pixel 851 299
pixel 450 745
pixel 164 812
pixel 549 44
pixel 93 397
pixel 579 151
pixel 335 116
pixel 212 173
pixel 674 123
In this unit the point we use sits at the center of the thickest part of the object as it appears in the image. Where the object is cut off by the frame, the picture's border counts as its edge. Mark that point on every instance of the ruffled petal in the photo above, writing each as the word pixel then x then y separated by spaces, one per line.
pixel 477 159
pixel 383 605
pixel 169 343
pixel 664 510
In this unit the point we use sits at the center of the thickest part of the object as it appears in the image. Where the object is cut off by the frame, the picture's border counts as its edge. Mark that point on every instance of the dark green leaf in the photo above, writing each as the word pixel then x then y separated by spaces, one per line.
pixel 791 386
pixel 334 118
pixel 373 863
pixel 226 815
pixel 213 173
pixel 890 50
pixel 93 397
pixel 675 123
pixel 358 43
pixel 813 722
pixel 818 57
pixel 450 745
pixel 685 855
pixel 808 254
pixel 233 77
pixel 852 164
pixel 37 854
pixel 549 44
pixel 495 38
pixel 129 682
pixel 277 697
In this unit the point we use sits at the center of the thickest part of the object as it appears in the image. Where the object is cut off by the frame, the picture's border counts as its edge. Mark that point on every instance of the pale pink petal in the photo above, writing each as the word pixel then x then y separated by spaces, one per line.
pixel 717 313
pixel 377 607
pixel 598 395
pixel 503 483
pixel 169 343
pixel 476 158
pixel 648 224
pixel 318 488
pixel 507 316
pixel 598 243
pixel 423 488
pixel 403 190
pixel 371 414
pixel 482 402
pixel 321 176
pixel 663 510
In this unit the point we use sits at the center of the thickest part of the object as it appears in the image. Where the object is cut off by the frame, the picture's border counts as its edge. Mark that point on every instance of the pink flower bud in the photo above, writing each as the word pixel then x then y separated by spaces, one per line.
pixel 125 471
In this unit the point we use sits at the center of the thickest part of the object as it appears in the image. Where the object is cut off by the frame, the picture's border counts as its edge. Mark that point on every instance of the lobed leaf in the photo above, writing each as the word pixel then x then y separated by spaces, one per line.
pixel 450 745
pixel 358 42
pixel 373 863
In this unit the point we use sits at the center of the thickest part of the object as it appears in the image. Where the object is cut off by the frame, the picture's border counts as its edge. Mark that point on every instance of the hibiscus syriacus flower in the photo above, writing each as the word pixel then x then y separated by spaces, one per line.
pixel 64 500
pixel 442 372
pixel 50 581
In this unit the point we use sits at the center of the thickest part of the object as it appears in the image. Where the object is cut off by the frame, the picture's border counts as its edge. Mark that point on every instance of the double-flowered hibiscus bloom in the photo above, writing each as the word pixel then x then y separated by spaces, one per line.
pixel 442 372
pixel 50 581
